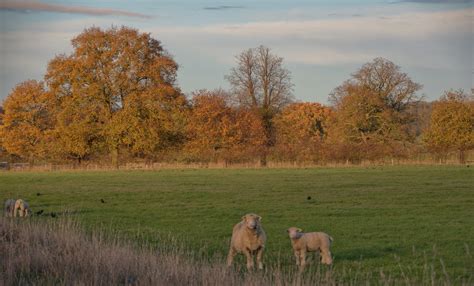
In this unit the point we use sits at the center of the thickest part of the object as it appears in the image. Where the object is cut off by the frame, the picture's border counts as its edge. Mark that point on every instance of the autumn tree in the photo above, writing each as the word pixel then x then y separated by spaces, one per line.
pixel 26 122
pixel 262 84
pixel 116 91
pixel 372 109
pixel 3 153
pixel 218 131
pixel 301 129
pixel 451 125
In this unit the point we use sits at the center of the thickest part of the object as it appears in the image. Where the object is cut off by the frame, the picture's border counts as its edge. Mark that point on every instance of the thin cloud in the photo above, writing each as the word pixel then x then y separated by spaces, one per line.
pixel 340 41
pixel 223 7
pixel 437 1
pixel 39 6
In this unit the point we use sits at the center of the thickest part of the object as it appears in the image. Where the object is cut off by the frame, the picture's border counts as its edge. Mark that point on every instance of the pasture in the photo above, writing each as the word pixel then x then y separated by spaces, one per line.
pixel 399 219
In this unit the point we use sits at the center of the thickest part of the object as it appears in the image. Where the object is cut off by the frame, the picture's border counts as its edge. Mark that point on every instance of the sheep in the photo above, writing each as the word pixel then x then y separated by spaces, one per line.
pixel 248 237
pixel 22 209
pixel 309 242
pixel 9 208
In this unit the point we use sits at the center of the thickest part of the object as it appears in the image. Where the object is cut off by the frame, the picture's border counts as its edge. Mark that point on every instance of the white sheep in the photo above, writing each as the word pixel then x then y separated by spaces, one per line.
pixel 310 242
pixel 22 209
pixel 9 208
pixel 248 237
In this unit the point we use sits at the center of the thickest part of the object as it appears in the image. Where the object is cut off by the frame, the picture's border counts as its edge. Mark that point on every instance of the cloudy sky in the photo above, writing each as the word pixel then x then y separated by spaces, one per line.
pixel 322 41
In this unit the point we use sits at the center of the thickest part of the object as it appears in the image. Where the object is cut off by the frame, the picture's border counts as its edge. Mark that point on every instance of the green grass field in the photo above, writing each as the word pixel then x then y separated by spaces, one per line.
pixel 380 217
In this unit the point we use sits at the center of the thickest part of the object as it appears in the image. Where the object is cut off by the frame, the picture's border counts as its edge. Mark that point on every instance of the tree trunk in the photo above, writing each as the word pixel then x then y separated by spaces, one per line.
pixel 31 161
pixel 115 157
pixel 263 159
pixel 269 133
pixel 462 156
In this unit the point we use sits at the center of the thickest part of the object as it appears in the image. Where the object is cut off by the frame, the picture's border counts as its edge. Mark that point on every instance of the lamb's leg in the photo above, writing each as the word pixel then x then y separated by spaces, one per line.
pixel 260 258
pixel 303 259
pixel 326 257
pixel 249 259
pixel 230 256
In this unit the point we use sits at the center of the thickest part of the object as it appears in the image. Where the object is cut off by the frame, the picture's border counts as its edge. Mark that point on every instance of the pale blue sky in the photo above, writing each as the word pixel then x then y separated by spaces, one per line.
pixel 322 41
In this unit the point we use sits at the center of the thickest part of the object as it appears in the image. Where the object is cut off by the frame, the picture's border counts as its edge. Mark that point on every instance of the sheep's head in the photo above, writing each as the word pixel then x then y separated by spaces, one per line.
pixel 294 232
pixel 252 221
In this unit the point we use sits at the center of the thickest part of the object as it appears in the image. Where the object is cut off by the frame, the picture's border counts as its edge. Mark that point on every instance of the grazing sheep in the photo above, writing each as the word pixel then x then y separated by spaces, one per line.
pixel 309 242
pixel 21 208
pixel 9 208
pixel 248 237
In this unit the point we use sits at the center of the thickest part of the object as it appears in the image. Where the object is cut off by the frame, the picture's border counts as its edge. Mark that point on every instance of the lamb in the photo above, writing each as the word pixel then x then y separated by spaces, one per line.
pixel 309 242
pixel 9 208
pixel 22 209
pixel 248 237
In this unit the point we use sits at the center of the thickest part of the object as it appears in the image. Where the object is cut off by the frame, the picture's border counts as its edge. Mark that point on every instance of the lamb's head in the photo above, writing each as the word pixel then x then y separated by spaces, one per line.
pixel 294 232
pixel 251 221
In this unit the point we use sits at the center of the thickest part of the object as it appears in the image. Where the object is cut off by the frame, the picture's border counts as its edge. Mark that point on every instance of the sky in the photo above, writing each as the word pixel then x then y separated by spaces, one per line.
pixel 322 41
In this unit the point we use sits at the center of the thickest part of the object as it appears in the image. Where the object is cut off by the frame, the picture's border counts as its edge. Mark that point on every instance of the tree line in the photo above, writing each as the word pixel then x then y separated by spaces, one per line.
pixel 115 99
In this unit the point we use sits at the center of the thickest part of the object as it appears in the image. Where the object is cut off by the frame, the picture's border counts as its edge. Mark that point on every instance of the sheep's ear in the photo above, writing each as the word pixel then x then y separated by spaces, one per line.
pixel 299 230
pixel 259 218
pixel 244 217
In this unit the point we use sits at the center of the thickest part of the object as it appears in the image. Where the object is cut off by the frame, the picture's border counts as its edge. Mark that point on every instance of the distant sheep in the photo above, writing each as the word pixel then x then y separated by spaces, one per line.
pixel 309 242
pixel 9 208
pixel 22 209
pixel 248 237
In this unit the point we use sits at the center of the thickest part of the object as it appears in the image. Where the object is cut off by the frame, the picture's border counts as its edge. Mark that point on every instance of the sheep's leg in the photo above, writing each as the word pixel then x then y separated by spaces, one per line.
pixel 230 256
pixel 248 254
pixel 297 256
pixel 260 258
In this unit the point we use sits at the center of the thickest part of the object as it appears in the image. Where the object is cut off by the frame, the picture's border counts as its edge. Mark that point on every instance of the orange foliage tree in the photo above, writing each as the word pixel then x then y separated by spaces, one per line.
pixel 116 91
pixel 372 112
pixel 26 121
pixel 451 125
pixel 301 130
pixel 3 152
pixel 217 131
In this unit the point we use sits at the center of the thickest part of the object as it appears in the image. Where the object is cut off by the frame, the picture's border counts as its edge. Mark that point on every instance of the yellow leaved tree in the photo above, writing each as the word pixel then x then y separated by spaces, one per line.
pixel 26 121
pixel 451 125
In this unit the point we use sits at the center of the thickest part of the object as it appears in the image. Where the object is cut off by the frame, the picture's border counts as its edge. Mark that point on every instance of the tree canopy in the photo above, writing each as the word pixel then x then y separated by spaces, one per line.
pixel 116 91
pixel 261 83
pixel 372 108
pixel 451 125
pixel 26 121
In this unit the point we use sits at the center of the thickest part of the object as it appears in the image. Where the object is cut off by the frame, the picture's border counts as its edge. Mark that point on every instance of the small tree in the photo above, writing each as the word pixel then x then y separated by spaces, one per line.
pixel 451 125
pixel 261 83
